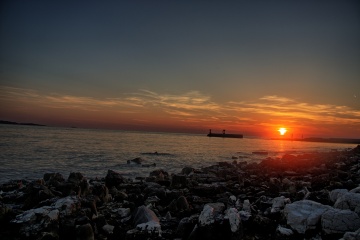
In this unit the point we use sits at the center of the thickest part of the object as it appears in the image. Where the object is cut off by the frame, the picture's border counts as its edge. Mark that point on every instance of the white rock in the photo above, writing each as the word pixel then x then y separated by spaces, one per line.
pixel 350 201
pixel 234 219
pixel 108 228
pixel 336 193
pixel 339 221
pixel 36 220
pixel 145 215
pixel 206 216
pixel 304 215
pixel 247 206
pixel 68 205
pixel 149 226
pixel 123 212
pixel 284 231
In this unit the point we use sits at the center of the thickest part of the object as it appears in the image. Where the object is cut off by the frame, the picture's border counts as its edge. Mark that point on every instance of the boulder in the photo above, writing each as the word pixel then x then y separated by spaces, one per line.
pixel 85 232
pixel 113 179
pixel 336 221
pixel 279 204
pixel 187 170
pixel 68 205
pixel 336 193
pixel 352 235
pixel 146 219
pixel 34 221
pixel 350 201
pixel 178 181
pixel 137 160
pixel 304 215
pixel 234 220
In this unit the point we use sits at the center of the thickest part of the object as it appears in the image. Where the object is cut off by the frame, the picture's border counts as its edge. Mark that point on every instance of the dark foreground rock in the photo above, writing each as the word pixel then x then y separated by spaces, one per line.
pixel 307 196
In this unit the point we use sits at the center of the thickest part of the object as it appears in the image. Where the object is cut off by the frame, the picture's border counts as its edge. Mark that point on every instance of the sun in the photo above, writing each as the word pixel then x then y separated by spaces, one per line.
pixel 282 131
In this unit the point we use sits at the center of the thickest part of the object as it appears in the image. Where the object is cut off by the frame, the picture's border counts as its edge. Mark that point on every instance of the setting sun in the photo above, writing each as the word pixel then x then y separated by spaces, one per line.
pixel 282 131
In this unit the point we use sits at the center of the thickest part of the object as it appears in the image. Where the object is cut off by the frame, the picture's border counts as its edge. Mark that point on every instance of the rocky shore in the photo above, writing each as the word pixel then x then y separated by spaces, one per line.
pixel 307 196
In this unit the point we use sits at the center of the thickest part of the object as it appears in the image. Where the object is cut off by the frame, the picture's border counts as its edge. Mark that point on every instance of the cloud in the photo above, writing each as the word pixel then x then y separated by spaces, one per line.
pixel 194 107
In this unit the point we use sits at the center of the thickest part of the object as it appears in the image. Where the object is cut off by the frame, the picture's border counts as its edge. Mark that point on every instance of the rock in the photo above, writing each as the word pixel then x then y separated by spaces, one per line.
pixel 350 201
pixel 101 191
pixel 279 204
pixel 36 193
pixel 113 179
pixel 336 193
pixel 137 160
pixel 108 229
pixel 284 231
pixel 146 219
pixel 34 221
pixel 85 232
pixel 304 215
pixel 206 216
pixel 336 221
pixel 68 205
pixel 182 204
pixel 234 220
pixel 352 235
pixel 355 190
pixel 187 170
pixel 159 174
pixel 53 179
pixel 75 177
pixel 186 225
pixel 178 181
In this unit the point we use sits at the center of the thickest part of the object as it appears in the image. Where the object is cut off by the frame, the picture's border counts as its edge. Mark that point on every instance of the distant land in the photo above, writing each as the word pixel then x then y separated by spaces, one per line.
pixel 15 123
pixel 325 140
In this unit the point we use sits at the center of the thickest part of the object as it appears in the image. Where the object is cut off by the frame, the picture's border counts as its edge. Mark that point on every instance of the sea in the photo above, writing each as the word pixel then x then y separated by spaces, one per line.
pixel 27 152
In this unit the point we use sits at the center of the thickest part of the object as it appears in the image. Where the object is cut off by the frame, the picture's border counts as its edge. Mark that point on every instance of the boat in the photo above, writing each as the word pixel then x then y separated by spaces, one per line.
pixel 224 135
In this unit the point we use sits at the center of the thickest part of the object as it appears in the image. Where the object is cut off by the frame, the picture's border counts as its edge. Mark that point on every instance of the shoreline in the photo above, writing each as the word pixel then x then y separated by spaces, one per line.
pixel 221 201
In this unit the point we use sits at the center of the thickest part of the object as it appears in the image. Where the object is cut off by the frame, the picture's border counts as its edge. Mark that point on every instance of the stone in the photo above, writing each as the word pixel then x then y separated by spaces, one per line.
pixel 279 204
pixel 182 204
pixel 178 181
pixel 355 190
pixel 34 221
pixel 234 219
pixel 113 179
pixel 304 215
pixel 336 221
pixel 75 177
pixel 350 201
pixel 187 170
pixel 352 235
pixel 68 205
pixel 146 219
pixel 206 216
pixel 108 229
pixel 336 193
pixel 137 160
pixel 282 231
pixel 85 232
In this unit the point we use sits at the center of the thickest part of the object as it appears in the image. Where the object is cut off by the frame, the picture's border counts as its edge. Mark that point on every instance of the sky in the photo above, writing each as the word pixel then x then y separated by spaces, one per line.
pixel 248 67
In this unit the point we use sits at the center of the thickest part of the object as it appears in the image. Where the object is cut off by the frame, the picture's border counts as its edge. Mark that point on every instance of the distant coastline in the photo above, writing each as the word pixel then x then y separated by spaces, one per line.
pixel 324 140
pixel 15 123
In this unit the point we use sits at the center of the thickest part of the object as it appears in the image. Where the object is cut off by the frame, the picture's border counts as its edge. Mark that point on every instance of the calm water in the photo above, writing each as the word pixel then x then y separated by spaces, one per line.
pixel 29 152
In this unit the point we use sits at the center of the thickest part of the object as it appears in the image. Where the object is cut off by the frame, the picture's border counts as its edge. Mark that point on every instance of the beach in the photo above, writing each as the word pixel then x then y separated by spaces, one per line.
pixel 297 196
